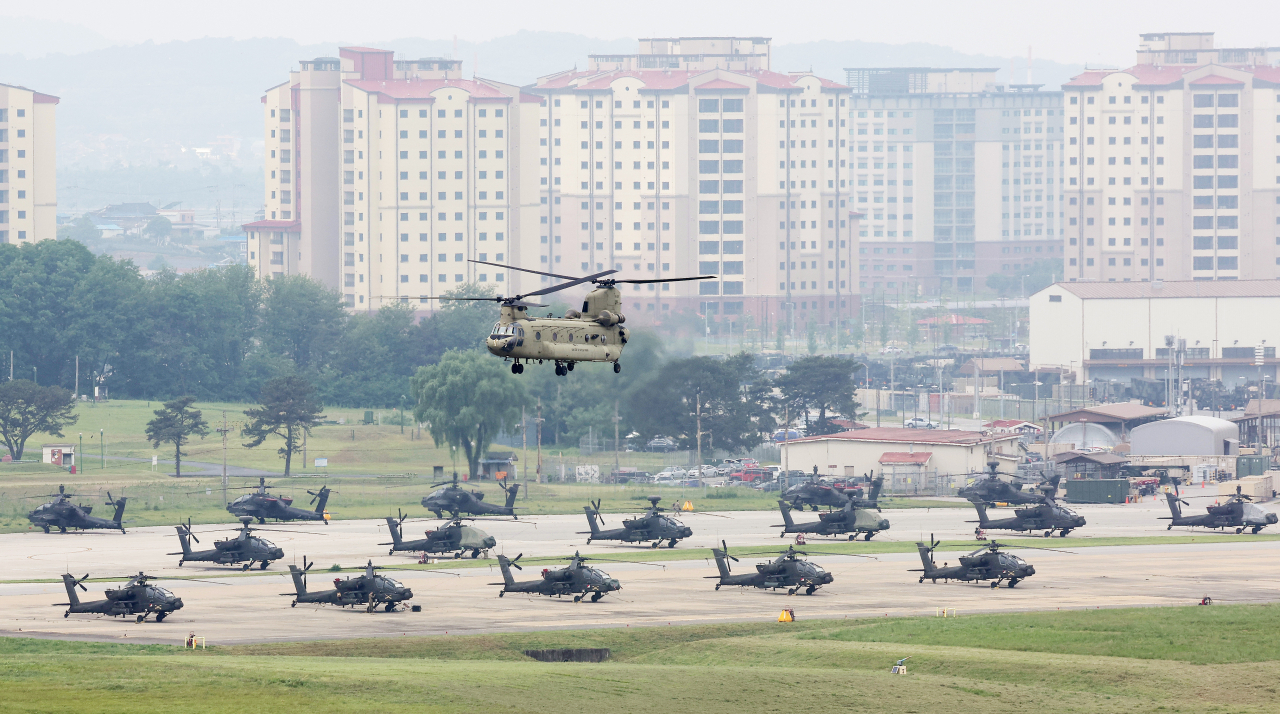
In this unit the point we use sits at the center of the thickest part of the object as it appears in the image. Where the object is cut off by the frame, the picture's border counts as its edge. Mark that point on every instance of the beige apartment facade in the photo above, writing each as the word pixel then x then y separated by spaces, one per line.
pixel 960 178
pixel 691 158
pixel 385 178
pixel 28 165
pixel 1173 164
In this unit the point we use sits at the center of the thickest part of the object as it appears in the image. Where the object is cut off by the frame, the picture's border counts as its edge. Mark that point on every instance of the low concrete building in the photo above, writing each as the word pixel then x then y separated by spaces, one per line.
pixel 953 451
pixel 1186 436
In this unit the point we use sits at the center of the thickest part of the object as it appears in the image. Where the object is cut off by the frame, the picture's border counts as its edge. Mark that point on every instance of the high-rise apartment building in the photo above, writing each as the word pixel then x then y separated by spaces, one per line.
pixel 1174 164
pixel 959 177
pixel 385 177
pixel 694 157
pixel 28 166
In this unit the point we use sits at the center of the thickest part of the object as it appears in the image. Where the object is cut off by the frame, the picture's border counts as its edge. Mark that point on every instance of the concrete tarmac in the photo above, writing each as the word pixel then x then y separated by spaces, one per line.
pixel 250 608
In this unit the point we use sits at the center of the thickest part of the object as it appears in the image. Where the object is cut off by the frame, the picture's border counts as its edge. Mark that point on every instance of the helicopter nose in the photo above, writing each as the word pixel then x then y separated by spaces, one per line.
pixel 277 553
pixel 884 524
pixel 406 593
pixel 1272 518
pixel 1029 570
pixel 612 584
pixel 686 532
pixel 177 603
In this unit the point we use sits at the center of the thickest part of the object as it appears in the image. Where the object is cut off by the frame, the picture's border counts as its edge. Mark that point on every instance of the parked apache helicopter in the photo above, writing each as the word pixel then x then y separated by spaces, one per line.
pixel 62 514
pixel 649 526
pixel 574 579
pixel 455 500
pixel 1047 516
pixel 813 493
pixel 135 597
pixel 262 505
pixel 785 571
pixel 1236 513
pixel 593 335
pixel 452 537
pixel 850 519
pixel 991 489
pixel 985 563
pixel 369 590
pixel 243 548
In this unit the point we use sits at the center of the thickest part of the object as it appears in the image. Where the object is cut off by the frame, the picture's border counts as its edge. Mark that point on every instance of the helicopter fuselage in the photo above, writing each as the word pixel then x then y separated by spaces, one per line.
pixel 593 335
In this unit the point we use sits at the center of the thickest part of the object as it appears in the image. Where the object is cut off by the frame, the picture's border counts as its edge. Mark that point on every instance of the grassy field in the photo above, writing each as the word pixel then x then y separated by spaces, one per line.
pixel 1195 659
pixel 374 469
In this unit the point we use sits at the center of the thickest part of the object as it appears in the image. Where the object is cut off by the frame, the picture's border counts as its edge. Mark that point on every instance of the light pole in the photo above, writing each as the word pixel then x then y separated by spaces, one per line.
pixel 102 449
pixel 79 451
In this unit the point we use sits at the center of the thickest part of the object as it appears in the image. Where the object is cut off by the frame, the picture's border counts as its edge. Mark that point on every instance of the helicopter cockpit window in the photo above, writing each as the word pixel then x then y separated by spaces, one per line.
pixel 157 590
pixel 266 543
pixel 1255 512
pixel 242 499
pixel 392 583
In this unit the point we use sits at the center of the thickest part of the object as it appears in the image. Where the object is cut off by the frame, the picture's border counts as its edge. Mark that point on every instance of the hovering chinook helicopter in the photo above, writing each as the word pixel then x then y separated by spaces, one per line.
pixel 992 489
pixel 815 494
pixel 243 548
pixel 1236 513
pixel 1047 516
pixel 369 590
pixel 135 597
pixel 574 579
pixel 457 500
pixel 62 514
pixel 262 505
pixel 649 526
pixel 985 563
pixel 851 519
pixel 785 571
pixel 594 334
pixel 450 538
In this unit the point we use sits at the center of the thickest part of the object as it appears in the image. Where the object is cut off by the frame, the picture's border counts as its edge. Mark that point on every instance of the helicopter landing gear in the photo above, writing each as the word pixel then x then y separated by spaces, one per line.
pixel 391 552
pixel 180 562
pixel 595 597
pixel 140 618
pixel 501 593
pixel 921 579
pixel 475 554
pixel 1013 583
pixel 1064 532
pixel 995 585
pixel 46 529
pixel 792 591
pixel 262 565
pixel 1239 531
pixel 246 566
pixel 390 607
pixel 161 616
pixel 1048 533
pixel 1170 527
pixel 577 598
pixel 569 366
pixel 672 544
pixel 852 536
pixel 617 367
pixel 717 588
pixel 809 590
pixel 517 368
pixel 293 604
pixel 869 534
pixel 561 370
pixel 62 529
pixel 262 521
pixel 1256 529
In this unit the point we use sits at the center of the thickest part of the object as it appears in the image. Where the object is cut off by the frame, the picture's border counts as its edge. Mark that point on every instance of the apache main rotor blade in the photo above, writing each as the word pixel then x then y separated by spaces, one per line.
pixel 666 280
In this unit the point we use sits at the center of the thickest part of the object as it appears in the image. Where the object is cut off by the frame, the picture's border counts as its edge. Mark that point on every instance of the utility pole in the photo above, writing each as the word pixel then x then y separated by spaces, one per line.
pixel 223 431
pixel 76 396
pixel 698 414
pixel 786 456
pixel 617 465
pixel 102 449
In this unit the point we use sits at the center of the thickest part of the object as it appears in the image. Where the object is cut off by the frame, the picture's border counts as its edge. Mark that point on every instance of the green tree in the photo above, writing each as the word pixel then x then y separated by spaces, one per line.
pixel 373 359
pixel 825 384
pixel 175 423
pixel 465 400
pixel 27 408
pixel 81 229
pixel 813 337
pixel 301 320
pixel 458 324
pixel 733 396
pixel 158 228
pixel 779 342
pixel 289 410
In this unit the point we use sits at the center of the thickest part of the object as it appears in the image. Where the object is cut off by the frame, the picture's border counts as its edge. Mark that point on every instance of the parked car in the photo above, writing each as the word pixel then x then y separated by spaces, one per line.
pixel 920 423
pixel 891 350
pixel 785 435
pixel 669 475
pixel 661 444
pixel 767 486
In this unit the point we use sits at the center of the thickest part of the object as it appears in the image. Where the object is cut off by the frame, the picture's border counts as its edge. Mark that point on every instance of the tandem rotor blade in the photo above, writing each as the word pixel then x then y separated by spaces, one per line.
pixel 571 283
pixel 525 270
pixel 666 280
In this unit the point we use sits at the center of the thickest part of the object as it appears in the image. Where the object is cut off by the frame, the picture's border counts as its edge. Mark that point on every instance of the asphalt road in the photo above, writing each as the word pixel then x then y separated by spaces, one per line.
pixel 250 608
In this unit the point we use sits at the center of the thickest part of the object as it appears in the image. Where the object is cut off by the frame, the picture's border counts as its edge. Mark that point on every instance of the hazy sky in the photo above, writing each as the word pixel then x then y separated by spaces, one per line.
pixel 1092 31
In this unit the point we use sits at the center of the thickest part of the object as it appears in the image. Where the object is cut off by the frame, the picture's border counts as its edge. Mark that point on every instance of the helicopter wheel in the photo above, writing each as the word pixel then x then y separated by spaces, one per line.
pixel 672 544
pixel 617 368
pixel 141 618
pixel 293 604
pixel 655 543
pixel 577 598
pixel 391 552
pixel 995 585
pixel 1064 532
pixel 1048 533
pixel 475 554
pixel 869 534
pixel 791 591
pixel 809 590
pixel 161 616
pixel 180 562
pixel 595 597
pixel 1256 529
pixel 515 368
pixel 922 579
pixel 68 612
pixel 1013 583
pixel 569 366
pixel 390 607
pixel 717 588
pixel 1239 531
pixel 263 565
pixel 501 593
pixel 246 566
pixel 46 529
pixel 1170 527
pixel 852 536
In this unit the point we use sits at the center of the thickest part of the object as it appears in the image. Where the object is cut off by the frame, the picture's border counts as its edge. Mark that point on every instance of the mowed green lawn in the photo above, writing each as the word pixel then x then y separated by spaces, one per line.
pixel 1195 659
pixel 375 470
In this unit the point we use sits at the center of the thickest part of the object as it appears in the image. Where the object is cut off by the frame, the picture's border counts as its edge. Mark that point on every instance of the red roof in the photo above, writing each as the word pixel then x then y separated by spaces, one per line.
pixel 1010 424
pixel 904 457
pixel 954 320
pixel 721 84
pixel 910 436
pixel 1215 79
pixel 274 225
pixel 423 88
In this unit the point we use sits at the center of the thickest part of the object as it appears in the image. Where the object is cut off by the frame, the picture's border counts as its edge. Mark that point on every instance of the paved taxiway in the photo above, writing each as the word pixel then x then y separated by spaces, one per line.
pixel 250 608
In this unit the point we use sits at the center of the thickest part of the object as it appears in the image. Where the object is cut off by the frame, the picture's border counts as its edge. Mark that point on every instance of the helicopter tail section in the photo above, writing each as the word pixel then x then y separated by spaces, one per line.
pixel 119 514
pixel 926 557
pixel 322 499
pixel 512 490
pixel 505 565
pixel 69 581
pixel 394 527
pixel 184 538
pixel 786 514
pixel 876 484
pixel 299 583
pixel 721 564
pixel 981 507
pixel 591 520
